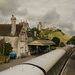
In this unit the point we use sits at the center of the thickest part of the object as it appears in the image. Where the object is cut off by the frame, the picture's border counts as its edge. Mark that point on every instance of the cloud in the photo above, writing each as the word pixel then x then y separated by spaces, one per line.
pixel 55 19
pixel 61 12
pixel 51 17
pixel 8 7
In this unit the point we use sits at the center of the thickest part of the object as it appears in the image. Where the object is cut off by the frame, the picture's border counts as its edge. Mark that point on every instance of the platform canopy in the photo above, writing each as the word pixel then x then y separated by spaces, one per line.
pixel 41 43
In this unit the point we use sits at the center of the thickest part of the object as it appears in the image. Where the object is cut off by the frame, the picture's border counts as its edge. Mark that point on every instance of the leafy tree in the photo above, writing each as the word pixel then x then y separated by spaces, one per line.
pixel 32 31
pixel 71 41
pixel 56 40
pixel 44 33
pixel 5 49
pixel 62 44
pixel 1 49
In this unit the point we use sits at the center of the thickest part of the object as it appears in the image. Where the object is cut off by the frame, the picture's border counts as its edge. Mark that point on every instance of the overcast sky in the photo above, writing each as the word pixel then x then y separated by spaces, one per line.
pixel 60 13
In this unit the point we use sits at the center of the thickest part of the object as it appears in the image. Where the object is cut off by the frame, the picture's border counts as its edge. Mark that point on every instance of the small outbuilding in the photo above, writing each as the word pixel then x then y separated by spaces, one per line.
pixel 40 46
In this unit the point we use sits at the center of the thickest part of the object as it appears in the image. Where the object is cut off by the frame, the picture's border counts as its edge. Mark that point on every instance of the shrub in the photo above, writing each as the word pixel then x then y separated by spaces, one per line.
pixel 62 44
pixel 56 40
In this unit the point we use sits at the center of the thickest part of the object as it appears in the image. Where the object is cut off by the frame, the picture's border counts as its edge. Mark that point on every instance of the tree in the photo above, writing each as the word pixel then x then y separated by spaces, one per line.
pixel 7 48
pixel 71 41
pixel 56 40
pixel 44 33
pixel 33 30
pixel 62 44
pixel 1 49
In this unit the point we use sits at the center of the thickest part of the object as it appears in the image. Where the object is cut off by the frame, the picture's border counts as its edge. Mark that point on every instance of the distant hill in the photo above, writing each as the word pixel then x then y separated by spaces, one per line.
pixel 50 33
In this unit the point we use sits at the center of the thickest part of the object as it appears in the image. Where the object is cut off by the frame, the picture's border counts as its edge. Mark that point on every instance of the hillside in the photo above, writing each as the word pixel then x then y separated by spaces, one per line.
pixel 50 33
pixel 63 37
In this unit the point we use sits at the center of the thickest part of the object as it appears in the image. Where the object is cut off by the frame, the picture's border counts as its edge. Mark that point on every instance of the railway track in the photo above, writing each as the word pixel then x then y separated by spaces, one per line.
pixel 51 63
pixel 59 66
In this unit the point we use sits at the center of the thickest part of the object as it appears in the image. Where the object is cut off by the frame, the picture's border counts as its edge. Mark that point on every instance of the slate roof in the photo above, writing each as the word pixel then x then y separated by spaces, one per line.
pixel 5 29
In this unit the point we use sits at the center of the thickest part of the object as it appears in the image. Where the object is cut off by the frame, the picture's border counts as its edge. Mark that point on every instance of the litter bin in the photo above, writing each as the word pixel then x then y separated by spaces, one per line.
pixel 13 55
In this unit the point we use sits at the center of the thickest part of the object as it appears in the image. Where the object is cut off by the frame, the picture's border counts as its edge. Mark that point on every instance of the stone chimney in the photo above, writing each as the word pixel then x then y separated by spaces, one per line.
pixel 13 25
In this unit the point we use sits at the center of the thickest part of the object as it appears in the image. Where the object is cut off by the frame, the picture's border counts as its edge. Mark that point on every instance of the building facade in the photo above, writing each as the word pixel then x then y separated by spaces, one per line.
pixel 16 35
pixel 41 26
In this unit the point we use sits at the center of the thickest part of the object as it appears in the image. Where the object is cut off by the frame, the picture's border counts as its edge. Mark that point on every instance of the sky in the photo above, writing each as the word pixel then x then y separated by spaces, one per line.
pixel 60 13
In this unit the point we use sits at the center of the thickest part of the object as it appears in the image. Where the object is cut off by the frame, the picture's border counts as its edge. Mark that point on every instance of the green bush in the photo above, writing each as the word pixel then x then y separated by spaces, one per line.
pixel 71 41
pixel 56 40
pixel 52 48
pixel 5 49
pixel 62 44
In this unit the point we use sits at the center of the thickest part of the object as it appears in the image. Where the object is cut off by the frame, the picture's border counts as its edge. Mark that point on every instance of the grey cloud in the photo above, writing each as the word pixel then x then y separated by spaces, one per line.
pixel 51 17
pixel 34 10
pixel 67 27
pixel 9 7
